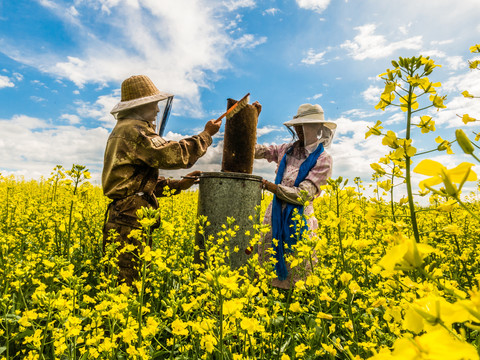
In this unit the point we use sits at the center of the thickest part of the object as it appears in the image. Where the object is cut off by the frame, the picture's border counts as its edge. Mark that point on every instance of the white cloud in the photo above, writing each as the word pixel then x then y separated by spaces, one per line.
pixel 315 97
pixel 372 94
pixel 456 62
pixel 100 110
pixel 352 153
pixel 368 45
pixel 71 118
pixel 39 146
pixel 271 11
pixel 18 76
pixel 434 53
pixel 180 46
pixel 456 103
pixel 315 5
pixel 403 30
pixel 452 62
pixel 267 130
pixel 5 82
pixel 73 11
pixel 233 5
pixel 249 41
pixel 37 99
pixel 441 42
pixel 395 118
pixel 359 114
pixel 313 57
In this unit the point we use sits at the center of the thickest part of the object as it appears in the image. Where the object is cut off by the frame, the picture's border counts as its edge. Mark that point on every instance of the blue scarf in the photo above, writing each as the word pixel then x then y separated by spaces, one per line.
pixel 283 227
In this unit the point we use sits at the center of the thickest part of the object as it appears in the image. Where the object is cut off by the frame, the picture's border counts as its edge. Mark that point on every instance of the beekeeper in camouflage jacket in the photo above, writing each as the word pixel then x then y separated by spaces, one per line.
pixel 133 155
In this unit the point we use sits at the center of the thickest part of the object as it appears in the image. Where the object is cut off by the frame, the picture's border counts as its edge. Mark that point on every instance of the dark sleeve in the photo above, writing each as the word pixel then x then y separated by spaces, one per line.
pixel 156 152
pixel 163 183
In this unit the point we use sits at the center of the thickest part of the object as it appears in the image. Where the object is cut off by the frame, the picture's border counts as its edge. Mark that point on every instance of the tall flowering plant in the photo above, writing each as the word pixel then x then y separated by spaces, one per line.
pixel 408 87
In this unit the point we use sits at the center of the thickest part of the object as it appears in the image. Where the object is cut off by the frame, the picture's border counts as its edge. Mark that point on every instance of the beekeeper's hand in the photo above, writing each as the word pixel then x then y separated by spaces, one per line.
pixel 189 179
pixel 213 126
pixel 267 185
pixel 258 106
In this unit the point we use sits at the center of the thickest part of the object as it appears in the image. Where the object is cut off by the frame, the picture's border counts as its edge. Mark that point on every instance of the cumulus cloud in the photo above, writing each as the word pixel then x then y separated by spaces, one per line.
pixel 233 5
pixel 315 5
pixel 181 44
pixel 267 130
pixel 71 118
pixel 452 62
pixel 456 103
pixel 368 45
pixel 5 82
pixel 100 109
pixel 39 146
pixel 358 114
pixel 313 57
pixel 372 94
pixel 353 153
pixel 249 41
pixel 271 11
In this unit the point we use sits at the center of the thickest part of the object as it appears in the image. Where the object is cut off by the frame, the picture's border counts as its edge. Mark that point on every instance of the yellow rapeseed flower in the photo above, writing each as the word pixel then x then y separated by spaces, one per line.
pixel 440 173
pixel 179 327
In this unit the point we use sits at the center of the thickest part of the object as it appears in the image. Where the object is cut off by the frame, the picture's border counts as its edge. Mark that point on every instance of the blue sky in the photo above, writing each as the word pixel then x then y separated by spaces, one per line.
pixel 62 63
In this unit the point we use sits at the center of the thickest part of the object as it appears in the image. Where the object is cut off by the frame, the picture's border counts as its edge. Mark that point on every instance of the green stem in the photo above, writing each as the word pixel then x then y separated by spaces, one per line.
pixel 426 107
pixel 221 328
pixel 425 152
pixel 475 157
pixel 391 198
pixel 70 218
pixel 408 177
pixel 339 231
pixel 285 319
pixel 142 295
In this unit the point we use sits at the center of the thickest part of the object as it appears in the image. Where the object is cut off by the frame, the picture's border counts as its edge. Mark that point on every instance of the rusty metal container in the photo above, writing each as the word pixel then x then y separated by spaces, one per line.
pixel 223 195
pixel 240 139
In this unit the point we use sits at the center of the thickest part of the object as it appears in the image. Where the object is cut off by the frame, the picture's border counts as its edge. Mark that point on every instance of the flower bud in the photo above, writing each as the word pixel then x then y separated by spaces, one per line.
pixel 464 141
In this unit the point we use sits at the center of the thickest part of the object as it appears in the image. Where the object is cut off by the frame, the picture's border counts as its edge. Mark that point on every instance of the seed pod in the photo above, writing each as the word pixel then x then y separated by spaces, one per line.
pixel 464 141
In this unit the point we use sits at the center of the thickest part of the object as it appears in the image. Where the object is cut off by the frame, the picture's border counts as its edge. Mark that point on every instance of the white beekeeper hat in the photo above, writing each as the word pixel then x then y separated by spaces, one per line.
pixel 310 114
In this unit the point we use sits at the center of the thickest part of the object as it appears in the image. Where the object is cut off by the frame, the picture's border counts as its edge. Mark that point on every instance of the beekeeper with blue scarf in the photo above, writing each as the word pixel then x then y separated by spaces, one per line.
pixel 303 165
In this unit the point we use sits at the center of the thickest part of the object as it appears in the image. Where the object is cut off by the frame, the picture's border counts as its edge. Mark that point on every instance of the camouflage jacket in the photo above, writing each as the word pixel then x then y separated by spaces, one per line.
pixel 134 153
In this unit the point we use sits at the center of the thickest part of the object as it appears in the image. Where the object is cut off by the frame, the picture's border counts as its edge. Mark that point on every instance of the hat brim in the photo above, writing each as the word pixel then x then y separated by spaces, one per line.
pixel 125 105
pixel 306 120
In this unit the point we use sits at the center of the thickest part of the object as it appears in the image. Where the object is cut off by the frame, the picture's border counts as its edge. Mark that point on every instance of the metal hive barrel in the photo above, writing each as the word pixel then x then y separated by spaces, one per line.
pixel 223 195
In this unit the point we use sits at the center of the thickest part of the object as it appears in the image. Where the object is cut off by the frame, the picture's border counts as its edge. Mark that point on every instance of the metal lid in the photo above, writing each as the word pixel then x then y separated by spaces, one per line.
pixel 231 175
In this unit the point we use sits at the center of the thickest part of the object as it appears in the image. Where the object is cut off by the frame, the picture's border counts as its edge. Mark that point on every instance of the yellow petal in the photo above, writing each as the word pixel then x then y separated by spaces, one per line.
pixel 429 167
pixel 393 256
pixel 413 321
pixel 435 180
pixel 458 173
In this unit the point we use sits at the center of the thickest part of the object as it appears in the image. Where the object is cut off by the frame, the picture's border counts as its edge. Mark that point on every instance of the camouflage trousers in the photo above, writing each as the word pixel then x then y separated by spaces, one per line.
pixel 121 217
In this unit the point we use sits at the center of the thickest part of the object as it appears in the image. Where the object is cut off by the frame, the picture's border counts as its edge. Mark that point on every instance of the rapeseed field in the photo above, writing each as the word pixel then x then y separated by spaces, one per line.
pixel 390 280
